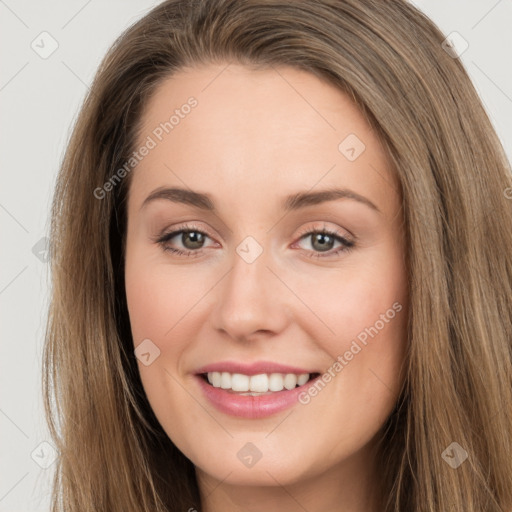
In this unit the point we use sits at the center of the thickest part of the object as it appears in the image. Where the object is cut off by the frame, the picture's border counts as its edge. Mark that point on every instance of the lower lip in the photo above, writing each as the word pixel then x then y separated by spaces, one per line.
pixel 253 407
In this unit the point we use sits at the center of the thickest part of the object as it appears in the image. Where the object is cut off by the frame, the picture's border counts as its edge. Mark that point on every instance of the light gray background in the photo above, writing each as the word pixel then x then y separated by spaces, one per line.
pixel 39 100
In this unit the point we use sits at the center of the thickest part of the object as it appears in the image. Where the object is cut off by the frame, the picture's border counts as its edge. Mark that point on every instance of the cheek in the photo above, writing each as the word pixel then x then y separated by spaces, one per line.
pixel 363 380
pixel 159 298
pixel 158 301
pixel 348 300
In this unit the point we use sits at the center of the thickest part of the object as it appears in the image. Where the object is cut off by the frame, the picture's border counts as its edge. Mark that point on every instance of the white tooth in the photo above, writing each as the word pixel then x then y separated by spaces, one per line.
pixel 290 380
pixel 259 383
pixel 210 378
pixel 239 382
pixel 225 380
pixel 275 382
pixel 216 379
pixel 302 379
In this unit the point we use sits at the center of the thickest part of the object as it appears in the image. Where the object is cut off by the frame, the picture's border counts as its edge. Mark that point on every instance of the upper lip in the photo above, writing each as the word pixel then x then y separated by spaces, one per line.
pixel 255 368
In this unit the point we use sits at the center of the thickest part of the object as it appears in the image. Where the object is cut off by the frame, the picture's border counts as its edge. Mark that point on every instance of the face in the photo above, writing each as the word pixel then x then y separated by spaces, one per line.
pixel 242 268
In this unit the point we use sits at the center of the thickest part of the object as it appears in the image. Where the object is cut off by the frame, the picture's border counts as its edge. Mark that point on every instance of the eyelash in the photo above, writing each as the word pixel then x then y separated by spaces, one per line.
pixel 347 245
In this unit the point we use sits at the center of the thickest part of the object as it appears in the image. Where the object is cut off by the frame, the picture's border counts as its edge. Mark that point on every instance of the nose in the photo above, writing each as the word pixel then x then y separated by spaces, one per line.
pixel 251 300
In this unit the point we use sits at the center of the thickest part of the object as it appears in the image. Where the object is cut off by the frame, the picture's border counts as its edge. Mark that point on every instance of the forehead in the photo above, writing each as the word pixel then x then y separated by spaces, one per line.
pixel 235 130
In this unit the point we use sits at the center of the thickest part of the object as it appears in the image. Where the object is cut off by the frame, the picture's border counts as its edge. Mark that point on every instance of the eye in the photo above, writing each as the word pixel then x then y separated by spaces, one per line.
pixel 191 238
pixel 323 241
pixel 193 241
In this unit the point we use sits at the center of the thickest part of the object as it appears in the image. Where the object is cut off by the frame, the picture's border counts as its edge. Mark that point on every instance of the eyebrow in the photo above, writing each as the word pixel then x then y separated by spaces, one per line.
pixel 290 203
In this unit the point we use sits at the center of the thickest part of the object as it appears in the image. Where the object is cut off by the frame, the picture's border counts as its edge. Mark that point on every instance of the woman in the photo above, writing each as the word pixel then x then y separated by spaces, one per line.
pixel 281 281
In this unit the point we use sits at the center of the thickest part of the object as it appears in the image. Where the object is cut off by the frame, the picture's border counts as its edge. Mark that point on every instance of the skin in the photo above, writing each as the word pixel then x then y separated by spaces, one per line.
pixel 255 137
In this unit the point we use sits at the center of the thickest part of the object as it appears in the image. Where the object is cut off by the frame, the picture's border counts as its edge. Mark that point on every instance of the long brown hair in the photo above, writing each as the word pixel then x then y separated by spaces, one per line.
pixel 456 186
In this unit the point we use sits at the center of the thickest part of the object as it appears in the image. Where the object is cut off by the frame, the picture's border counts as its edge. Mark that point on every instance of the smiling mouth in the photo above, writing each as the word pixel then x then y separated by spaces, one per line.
pixel 257 385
